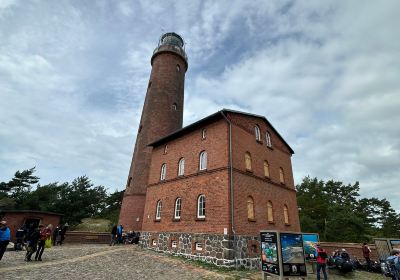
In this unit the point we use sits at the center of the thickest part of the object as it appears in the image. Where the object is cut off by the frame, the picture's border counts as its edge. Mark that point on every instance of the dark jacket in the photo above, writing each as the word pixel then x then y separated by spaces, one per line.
pixel 33 238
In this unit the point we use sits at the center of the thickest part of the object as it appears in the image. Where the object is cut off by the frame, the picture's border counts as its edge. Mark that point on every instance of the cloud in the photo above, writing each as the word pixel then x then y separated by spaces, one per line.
pixel 73 77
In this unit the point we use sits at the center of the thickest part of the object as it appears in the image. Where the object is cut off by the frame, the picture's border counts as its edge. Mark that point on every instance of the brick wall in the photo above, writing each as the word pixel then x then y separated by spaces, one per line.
pixel 87 237
pixel 354 249
pixel 16 219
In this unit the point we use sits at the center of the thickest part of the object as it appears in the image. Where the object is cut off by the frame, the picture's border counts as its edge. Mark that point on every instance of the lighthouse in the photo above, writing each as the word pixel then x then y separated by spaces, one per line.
pixel 162 114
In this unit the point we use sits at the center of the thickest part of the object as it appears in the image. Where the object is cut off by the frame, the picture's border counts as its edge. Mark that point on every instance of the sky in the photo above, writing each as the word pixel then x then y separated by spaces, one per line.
pixel 326 74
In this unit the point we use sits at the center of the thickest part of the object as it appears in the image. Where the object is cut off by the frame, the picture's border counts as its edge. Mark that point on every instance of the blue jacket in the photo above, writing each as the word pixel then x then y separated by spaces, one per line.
pixel 5 234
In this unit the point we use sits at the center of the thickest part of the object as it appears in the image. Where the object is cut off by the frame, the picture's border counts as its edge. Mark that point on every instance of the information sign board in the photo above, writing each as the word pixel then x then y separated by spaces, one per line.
pixel 270 252
pixel 293 262
pixel 310 241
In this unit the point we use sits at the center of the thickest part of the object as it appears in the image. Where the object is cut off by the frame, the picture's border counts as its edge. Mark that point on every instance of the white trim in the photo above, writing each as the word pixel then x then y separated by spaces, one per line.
pixel 163 172
pixel 257 132
pixel 158 210
pixel 203 160
pixel 181 167
pixel 201 206
pixel 176 208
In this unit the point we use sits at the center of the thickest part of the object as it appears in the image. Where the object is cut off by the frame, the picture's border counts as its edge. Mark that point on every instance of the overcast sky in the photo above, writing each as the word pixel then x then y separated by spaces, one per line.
pixel 326 74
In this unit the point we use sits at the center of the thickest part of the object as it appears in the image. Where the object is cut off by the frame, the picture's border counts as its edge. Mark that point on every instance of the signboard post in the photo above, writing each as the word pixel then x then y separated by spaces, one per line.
pixel 310 241
pixel 282 255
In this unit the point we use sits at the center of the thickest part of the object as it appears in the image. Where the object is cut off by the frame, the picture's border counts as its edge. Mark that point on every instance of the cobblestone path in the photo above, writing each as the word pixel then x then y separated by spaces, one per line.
pixel 80 262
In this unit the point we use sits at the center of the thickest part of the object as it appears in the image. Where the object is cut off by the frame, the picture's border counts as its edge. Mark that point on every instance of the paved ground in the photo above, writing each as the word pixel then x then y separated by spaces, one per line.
pixel 80 262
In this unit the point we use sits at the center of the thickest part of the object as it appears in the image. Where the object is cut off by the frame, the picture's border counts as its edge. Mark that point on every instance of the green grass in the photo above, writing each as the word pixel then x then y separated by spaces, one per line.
pixel 94 225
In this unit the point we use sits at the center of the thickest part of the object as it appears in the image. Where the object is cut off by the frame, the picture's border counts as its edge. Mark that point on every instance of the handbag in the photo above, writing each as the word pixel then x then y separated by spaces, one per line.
pixel 47 243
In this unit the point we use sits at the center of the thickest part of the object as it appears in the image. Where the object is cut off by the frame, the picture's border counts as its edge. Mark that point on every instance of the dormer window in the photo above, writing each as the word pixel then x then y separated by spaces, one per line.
pixel 257 133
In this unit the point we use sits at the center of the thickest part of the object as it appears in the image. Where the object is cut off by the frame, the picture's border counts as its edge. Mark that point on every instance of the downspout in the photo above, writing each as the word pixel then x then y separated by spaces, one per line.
pixel 231 185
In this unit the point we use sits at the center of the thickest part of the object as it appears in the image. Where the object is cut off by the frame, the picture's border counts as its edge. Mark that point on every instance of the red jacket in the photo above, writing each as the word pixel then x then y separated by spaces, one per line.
pixel 45 233
pixel 321 259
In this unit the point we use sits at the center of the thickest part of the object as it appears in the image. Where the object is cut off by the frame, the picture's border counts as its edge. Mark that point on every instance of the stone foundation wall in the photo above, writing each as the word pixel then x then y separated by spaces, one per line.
pixel 221 250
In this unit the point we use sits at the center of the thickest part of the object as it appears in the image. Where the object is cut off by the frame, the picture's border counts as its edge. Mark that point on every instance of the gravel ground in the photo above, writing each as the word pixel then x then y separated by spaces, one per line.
pixel 123 262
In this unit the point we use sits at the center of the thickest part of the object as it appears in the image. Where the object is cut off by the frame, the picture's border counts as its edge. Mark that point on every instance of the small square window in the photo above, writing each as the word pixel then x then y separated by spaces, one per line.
pixel 154 242
pixel 199 246
pixel 174 244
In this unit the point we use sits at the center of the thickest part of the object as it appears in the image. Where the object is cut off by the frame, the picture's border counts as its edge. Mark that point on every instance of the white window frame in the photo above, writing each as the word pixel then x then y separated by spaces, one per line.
pixel 257 132
pixel 198 246
pixel 178 208
pixel 174 244
pixel 203 133
pixel 181 167
pixel 154 243
pixel 201 206
pixel 268 139
pixel 158 210
pixel 203 160
pixel 163 172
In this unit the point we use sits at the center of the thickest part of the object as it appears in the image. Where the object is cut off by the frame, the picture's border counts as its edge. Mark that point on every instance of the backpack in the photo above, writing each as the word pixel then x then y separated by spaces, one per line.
pixel 394 263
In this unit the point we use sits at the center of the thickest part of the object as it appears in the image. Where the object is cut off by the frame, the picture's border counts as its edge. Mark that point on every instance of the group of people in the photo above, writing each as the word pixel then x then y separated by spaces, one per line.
pixel 118 236
pixel 34 238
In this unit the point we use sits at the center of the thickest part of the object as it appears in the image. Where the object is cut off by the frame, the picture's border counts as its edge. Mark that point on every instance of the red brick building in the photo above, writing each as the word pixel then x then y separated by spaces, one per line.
pixel 17 218
pixel 211 186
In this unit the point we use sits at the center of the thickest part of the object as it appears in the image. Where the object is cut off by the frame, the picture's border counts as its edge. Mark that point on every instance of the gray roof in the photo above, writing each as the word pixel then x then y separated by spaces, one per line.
pixel 209 119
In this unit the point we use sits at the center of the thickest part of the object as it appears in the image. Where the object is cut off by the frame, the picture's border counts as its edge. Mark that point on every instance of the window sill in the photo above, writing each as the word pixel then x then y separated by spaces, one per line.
pixel 157 220
pixel 176 219
pixel 287 224
pixel 271 222
pixel 270 147
pixel 249 170
pixel 200 219
pixel 259 142
pixel 251 220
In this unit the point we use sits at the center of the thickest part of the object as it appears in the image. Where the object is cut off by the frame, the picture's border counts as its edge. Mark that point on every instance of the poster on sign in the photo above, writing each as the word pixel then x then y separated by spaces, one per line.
pixel 310 241
pixel 270 252
pixel 293 261
pixel 395 244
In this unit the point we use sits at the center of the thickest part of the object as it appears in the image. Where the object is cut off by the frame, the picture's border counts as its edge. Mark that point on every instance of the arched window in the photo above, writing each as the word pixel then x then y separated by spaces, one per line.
pixel 266 168
pixel 250 208
pixel 281 175
pixel 163 172
pixel 203 160
pixel 203 133
pixel 201 206
pixel 178 203
pixel 268 139
pixel 158 210
pixel 174 107
pixel 257 133
pixel 178 68
pixel 247 160
pixel 270 212
pixel 286 214
pixel 165 149
pixel 181 167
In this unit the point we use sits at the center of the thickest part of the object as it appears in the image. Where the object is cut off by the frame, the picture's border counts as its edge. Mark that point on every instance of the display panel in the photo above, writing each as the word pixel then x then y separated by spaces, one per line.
pixel 293 261
pixel 395 244
pixel 269 252
pixel 310 241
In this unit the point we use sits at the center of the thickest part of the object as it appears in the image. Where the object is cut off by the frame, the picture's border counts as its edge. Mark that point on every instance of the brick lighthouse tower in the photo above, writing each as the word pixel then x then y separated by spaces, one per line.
pixel 162 114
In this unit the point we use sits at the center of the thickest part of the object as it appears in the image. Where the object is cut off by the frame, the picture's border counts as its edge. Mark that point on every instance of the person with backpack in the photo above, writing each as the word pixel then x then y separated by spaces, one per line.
pixel 5 236
pixel 321 262
pixel 393 262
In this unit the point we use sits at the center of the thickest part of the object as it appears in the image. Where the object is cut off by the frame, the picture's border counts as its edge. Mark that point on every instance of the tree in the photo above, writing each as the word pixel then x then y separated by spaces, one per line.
pixel 334 210
pixel 15 192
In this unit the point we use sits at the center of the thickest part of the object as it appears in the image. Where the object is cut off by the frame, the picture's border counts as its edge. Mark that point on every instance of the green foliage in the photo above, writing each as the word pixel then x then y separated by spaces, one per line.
pixel 334 210
pixel 76 200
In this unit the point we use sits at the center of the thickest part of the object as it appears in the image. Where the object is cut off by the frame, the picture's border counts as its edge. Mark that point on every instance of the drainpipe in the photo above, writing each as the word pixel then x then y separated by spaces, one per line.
pixel 231 184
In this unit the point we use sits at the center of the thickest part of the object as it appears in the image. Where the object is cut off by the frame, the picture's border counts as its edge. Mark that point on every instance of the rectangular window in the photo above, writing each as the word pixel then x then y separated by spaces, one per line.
pixel 174 244
pixel 154 242
pixel 199 246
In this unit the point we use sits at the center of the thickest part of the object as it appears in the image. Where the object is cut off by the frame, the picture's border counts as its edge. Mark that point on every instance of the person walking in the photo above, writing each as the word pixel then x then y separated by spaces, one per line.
pixel 56 231
pixel 366 254
pixel 31 242
pixel 321 262
pixel 45 233
pixel 62 233
pixel 5 236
